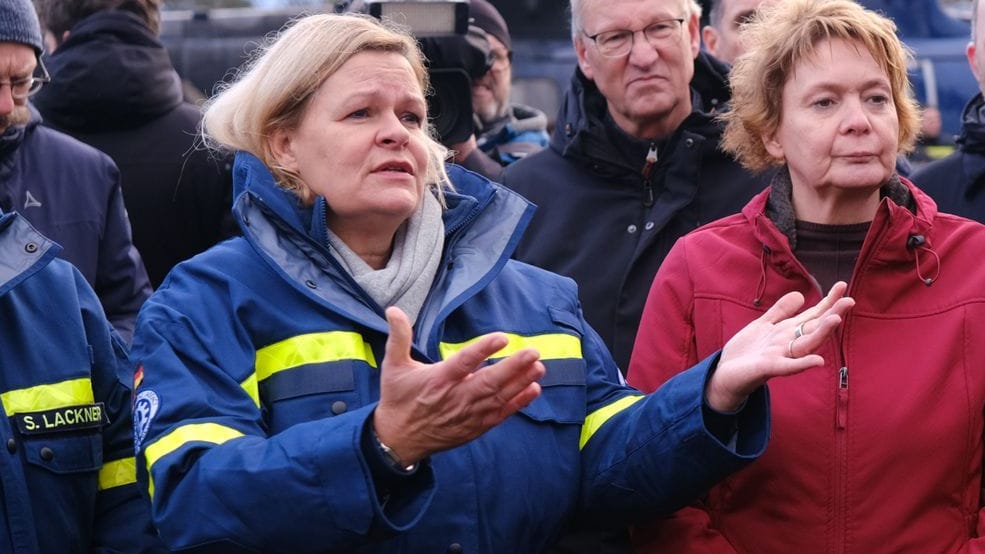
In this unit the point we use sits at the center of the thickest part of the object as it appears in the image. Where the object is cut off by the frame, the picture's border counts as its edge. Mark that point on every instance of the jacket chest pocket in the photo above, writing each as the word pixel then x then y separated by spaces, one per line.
pixel 63 440
pixel 313 391
pixel 66 453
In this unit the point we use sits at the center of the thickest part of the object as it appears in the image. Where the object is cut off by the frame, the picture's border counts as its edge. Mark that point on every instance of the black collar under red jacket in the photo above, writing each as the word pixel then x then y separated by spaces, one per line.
pixel 601 222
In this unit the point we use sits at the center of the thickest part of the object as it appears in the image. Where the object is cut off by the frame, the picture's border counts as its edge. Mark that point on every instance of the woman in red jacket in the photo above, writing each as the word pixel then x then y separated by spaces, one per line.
pixel 880 449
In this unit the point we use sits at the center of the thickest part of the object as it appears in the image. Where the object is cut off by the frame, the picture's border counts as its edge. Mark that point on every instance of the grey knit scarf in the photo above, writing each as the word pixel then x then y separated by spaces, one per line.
pixel 408 275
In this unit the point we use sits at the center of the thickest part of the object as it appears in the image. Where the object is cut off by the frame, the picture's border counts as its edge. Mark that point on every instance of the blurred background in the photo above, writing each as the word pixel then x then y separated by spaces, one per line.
pixel 208 39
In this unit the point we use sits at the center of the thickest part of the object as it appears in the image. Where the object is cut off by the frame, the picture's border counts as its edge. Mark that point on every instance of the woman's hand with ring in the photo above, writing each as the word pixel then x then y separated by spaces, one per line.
pixel 763 349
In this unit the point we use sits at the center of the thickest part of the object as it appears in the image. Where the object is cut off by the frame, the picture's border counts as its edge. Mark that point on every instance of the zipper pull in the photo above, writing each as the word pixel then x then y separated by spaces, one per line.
pixel 842 403
pixel 651 160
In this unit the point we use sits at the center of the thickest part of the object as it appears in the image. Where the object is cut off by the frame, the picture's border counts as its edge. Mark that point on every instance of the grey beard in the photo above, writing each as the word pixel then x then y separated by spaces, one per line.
pixel 18 116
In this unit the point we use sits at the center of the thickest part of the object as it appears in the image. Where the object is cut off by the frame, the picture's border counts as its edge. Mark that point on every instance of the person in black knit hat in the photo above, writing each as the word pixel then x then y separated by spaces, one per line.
pixel 505 131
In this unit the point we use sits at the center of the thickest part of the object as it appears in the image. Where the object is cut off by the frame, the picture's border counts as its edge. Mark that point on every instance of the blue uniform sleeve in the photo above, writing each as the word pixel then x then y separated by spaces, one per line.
pixel 218 481
pixel 646 455
pixel 122 522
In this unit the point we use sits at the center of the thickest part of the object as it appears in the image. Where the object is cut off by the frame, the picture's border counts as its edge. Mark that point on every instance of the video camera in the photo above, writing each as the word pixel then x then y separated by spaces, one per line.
pixel 455 52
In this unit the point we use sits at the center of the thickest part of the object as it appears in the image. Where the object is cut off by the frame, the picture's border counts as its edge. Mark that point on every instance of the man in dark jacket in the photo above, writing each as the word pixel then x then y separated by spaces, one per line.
pixel 113 87
pixel 634 161
pixel 957 182
pixel 69 191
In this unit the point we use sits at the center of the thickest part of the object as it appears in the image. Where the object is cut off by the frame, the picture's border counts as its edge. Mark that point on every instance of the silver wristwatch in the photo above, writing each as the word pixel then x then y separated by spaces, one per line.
pixel 391 456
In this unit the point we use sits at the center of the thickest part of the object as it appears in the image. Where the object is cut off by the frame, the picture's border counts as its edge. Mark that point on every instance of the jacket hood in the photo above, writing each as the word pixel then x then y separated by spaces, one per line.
pixel 483 224
pixel 972 137
pixel 466 204
pixel 579 131
pixel 112 73
pixel 17 260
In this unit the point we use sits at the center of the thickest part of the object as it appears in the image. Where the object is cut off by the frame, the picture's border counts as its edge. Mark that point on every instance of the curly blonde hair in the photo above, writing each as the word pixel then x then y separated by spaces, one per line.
pixel 276 86
pixel 780 37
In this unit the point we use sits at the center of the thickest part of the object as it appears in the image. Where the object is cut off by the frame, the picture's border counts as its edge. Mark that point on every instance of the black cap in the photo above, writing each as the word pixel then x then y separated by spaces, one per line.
pixel 486 17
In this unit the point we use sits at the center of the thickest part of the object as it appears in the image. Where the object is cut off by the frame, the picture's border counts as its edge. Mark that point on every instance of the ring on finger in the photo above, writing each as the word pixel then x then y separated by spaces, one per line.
pixel 799 331
pixel 790 348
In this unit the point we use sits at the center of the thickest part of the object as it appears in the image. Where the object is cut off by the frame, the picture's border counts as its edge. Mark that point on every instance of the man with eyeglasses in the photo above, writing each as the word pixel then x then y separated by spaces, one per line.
pixel 632 166
pixel 67 190
pixel 634 162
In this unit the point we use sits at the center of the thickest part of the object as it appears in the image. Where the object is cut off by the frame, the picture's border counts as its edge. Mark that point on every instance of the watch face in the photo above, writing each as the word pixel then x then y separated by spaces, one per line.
pixel 390 456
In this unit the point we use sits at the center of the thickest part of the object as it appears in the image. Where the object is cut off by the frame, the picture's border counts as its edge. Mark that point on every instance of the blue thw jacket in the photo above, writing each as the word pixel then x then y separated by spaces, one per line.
pixel 261 368
pixel 67 472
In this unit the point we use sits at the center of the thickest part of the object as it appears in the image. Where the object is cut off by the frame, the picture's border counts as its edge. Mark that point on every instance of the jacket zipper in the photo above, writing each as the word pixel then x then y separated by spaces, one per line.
pixel 843 464
pixel 651 161
pixel 841 457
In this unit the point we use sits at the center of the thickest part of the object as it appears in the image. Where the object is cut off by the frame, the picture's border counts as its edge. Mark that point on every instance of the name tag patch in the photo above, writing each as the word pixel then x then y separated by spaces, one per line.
pixel 69 418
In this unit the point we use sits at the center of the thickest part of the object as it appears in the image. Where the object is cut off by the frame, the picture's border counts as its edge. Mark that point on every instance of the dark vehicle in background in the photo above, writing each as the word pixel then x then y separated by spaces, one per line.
pixel 207 44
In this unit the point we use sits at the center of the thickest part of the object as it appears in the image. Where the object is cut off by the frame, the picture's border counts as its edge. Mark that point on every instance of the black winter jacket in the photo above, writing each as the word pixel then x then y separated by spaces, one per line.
pixel 957 182
pixel 602 222
pixel 113 87
pixel 70 192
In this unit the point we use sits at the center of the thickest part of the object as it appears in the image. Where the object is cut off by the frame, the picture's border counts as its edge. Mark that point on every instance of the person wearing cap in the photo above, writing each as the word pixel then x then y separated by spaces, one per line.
pixel 68 190
pixel 505 131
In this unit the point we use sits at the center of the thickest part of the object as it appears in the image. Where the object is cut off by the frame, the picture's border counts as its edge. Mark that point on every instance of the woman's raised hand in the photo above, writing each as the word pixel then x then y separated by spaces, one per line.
pixel 778 343
pixel 427 408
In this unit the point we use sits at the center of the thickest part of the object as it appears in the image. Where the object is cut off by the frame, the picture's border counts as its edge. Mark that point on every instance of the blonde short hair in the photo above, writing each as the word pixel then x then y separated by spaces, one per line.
pixel 780 37
pixel 275 88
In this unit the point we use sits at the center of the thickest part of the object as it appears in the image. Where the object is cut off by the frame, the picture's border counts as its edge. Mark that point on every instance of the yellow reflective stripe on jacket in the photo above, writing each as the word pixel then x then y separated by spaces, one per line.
pixel 597 419
pixel 47 397
pixel 194 432
pixel 312 348
pixel 252 388
pixel 553 346
pixel 118 473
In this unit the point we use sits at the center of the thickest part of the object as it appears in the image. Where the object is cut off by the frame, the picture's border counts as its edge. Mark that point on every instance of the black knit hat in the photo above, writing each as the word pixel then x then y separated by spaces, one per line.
pixel 485 17
pixel 19 23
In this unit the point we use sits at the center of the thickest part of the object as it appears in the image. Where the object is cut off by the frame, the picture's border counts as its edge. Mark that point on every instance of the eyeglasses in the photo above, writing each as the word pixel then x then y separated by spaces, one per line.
pixel 614 44
pixel 499 60
pixel 22 88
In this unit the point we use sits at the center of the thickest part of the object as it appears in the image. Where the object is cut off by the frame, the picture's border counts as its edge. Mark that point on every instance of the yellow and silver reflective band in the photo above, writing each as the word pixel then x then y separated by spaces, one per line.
pixel 597 419
pixel 38 398
pixel 312 348
pixel 552 346
pixel 194 432
pixel 118 473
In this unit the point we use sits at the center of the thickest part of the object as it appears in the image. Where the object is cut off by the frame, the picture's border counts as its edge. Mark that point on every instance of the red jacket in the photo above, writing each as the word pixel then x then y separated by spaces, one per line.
pixel 878 450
